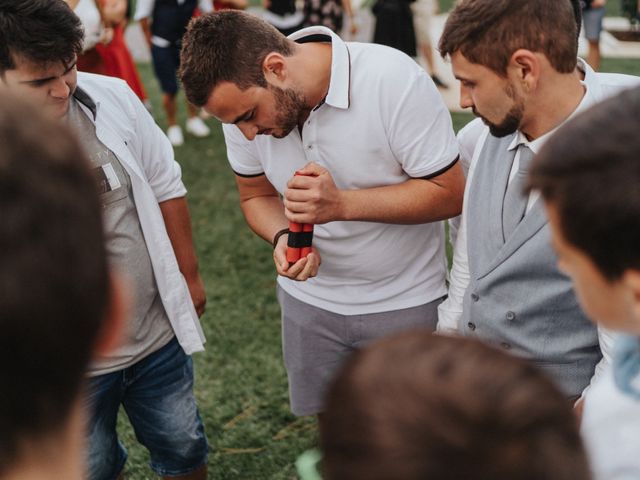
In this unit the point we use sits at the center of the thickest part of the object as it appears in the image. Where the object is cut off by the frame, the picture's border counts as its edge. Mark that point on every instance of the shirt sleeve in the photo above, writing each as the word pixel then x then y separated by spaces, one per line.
pixel 606 339
pixel 154 153
pixel 144 9
pixel 419 125
pixel 450 311
pixel 241 153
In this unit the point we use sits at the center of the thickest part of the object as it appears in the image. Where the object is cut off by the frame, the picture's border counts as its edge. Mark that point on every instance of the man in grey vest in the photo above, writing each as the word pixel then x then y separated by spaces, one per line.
pixel 516 61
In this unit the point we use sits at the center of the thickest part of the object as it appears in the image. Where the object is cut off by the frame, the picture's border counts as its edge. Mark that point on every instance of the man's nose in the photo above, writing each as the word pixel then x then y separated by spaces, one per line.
pixel 60 89
pixel 248 130
pixel 465 98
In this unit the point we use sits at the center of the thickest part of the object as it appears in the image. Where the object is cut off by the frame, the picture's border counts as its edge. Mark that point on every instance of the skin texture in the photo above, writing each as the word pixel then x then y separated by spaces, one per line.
pixel 50 87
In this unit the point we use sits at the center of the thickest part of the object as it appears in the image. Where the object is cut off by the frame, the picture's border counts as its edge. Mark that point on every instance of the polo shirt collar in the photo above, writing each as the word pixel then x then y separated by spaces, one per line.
pixel 339 94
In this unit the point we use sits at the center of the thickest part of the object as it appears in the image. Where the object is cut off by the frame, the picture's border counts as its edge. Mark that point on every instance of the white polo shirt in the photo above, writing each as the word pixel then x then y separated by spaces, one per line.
pixel 382 123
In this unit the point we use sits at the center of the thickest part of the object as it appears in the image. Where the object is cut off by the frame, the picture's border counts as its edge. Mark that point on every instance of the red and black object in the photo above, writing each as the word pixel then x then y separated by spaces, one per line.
pixel 299 240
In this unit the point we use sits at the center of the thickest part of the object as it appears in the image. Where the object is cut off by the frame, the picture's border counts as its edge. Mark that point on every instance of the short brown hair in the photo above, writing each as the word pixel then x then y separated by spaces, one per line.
pixel 54 282
pixel 590 172
pixel 487 32
pixel 227 46
pixel 417 406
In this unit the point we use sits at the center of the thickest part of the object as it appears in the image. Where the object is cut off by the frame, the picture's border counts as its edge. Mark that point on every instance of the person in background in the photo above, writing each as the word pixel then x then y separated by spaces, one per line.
pixel 148 238
pixel 60 303
pixel 588 175
pixel 164 23
pixel 394 25
pixel 283 15
pixel 592 14
pixel 423 11
pixel 330 14
pixel 417 406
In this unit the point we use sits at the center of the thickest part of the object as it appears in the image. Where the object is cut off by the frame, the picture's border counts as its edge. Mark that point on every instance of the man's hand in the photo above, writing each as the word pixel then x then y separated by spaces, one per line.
pixel 198 294
pixel 302 270
pixel 312 197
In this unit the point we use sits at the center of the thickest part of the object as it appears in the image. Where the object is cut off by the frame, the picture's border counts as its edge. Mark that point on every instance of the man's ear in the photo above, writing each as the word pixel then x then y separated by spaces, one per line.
pixel 525 66
pixel 116 314
pixel 631 279
pixel 274 68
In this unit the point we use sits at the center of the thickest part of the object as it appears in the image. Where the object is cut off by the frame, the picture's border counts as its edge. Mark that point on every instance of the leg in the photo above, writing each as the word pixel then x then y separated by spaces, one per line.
pixel 170 107
pixel 593 57
pixel 592 19
pixel 314 346
pixel 106 455
pixel 370 327
pixel 162 409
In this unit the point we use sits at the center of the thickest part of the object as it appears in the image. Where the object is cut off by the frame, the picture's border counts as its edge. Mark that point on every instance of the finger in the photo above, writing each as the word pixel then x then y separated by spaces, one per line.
pixel 294 270
pixel 311 169
pixel 297 206
pixel 302 183
pixel 296 195
pixel 310 269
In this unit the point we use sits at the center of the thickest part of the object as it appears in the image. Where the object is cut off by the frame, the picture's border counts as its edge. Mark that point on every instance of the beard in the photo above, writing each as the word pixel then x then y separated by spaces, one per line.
pixel 290 105
pixel 512 120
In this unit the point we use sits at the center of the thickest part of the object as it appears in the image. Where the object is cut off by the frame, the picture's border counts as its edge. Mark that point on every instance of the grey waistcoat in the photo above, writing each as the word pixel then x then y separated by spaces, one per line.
pixel 517 298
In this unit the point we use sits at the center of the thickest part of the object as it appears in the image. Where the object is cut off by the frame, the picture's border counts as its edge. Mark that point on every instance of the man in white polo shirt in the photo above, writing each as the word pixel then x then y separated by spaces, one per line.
pixel 368 127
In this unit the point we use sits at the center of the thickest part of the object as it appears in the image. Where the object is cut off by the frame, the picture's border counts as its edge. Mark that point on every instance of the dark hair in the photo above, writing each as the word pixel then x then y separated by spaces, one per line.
pixel 417 406
pixel 488 32
pixel 54 284
pixel 577 15
pixel 590 172
pixel 41 31
pixel 227 46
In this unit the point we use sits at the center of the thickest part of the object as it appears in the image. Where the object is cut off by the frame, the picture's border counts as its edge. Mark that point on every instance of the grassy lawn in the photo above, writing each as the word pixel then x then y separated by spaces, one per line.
pixel 241 384
pixel 613 6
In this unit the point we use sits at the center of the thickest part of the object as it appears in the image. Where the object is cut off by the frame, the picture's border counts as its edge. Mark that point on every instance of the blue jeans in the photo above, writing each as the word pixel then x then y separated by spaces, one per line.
pixel 157 395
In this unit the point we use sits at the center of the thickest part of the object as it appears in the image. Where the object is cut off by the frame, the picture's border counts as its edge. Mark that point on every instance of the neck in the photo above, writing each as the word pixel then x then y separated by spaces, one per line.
pixel 555 99
pixel 314 65
pixel 59 456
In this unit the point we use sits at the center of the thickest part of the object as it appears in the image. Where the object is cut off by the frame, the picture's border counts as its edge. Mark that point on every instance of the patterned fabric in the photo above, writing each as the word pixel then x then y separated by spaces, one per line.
pixel 327 13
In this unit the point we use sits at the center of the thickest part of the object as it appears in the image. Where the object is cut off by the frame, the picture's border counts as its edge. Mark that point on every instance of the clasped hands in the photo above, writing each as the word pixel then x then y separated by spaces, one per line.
pixel 310 197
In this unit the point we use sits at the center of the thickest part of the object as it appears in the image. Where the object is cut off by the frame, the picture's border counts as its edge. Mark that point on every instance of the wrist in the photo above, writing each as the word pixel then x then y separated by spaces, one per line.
pixel 276 237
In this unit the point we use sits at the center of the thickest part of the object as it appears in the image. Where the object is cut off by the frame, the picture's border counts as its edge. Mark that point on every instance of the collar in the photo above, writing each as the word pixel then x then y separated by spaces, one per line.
pixel 587 101
pixel 339 94
pixel 85 99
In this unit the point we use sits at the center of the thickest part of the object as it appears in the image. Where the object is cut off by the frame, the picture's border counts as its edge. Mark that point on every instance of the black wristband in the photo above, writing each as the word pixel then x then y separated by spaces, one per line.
pixel 277 236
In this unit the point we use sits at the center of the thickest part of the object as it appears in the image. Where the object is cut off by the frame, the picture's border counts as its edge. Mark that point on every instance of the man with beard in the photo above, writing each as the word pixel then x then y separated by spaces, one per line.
pixel 516 61
pixel 371 134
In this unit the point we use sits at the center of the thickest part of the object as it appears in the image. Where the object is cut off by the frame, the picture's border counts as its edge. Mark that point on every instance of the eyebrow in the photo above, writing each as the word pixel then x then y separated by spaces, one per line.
pixel 53 77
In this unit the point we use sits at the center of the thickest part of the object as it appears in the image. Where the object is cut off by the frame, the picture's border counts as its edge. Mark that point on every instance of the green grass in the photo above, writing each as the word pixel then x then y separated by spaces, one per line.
pixel 241 385
pixel 613 7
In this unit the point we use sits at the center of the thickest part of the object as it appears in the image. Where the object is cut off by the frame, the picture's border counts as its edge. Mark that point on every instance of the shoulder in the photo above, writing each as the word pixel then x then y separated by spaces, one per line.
pixel 381 61
pixel 103 89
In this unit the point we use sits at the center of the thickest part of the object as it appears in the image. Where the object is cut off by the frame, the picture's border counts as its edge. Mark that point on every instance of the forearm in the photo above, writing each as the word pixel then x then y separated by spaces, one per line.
pixel 265 216
pixel 175 213
pixel 146 29
pixel 415 201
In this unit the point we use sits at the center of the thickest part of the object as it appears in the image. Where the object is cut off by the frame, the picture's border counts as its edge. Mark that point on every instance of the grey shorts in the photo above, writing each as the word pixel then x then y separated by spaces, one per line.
pixel 316 342
pixel 592 19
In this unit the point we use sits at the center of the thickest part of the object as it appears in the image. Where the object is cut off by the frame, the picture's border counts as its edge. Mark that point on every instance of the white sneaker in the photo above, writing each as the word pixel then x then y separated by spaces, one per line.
pixel 174 133
pixel 197 128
